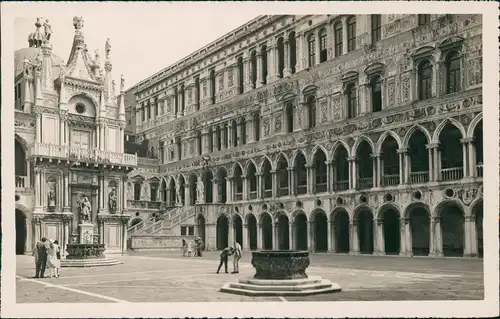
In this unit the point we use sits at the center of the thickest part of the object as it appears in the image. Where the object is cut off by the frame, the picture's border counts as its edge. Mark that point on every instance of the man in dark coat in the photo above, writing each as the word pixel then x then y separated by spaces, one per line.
pixel 40 253
pixel 226 252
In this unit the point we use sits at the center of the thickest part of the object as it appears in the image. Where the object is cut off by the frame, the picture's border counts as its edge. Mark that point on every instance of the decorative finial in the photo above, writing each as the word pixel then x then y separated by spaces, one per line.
pixel 48 29
pixel 38 23
pixel 122 84
pixel 78 23
pixel 108 48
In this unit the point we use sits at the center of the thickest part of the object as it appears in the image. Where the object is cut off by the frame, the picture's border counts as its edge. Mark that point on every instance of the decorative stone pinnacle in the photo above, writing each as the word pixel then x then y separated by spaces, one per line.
pixel 78 23
pixel 107 49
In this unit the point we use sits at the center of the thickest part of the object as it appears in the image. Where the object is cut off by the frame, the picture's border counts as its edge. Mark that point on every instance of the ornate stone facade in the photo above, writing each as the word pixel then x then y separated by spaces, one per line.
pixel 365 141
pixel 69 133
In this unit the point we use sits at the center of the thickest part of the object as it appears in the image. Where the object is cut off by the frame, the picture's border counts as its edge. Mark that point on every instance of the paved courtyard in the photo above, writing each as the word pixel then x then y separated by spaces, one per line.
pixel 164 277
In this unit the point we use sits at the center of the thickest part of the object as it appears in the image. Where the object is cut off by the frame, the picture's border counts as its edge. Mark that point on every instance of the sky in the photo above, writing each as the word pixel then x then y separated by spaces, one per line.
pixel 141 44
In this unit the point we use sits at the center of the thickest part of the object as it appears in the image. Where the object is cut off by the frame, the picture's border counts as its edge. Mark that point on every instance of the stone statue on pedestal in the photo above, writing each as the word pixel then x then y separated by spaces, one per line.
pixel 112 200
pixel 85 209
pixel 51 197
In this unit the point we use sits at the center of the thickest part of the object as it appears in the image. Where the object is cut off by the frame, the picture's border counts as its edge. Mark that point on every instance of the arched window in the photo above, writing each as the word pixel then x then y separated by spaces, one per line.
pixel 376 90
pixel 293 51
pixel 234 132
pixel 198 142
pixel 338 38
pixel 241 75
pixel 425 80
pixel 424 19
pixel 264 63
pixel 376 27
pixel 351 34
pixel 137 191
pixel 323 50
pixel 281 57
pixel 243 137
pixel 253 68
pixel 312 51
pixel 311 105
pixel 289 118
pixel 352 101
pixel 212 86
pixel 452 73
pixel 256 121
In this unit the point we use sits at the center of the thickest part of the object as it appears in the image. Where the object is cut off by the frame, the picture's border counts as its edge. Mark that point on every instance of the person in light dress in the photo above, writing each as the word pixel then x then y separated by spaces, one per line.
pixel 53 263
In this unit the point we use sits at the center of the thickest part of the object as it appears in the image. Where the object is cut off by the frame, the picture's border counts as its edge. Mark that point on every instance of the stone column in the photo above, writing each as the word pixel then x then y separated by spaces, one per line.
pixel 375 172
pixel 402 175
pixel 380 170
pixel 65 243
pixel 247 78
pixel 260 187
pixel 250 132
pixel 259 236
pixel 378 237
pixel 276 238
pixel 223 136
pixel 215 190
pixel 180 109
pixel 465 147
pixel 354 248
pixel 38 128
pixel 402 236
pixel 287 71
pixel 344 35
pixel 229 189
pixel 299 37
pixel 37 189
pixel 472 158
pixel 471 247
pixel 291 243
pixel 354 172
pixel 436 238
pixel 330 230
pixel 437 163
pixel 67 191
pixel 245 245
pixel 310 236
pixel 408 237
pixel 28 245
pixel 259 81
pixel 292 181
pixel 270 64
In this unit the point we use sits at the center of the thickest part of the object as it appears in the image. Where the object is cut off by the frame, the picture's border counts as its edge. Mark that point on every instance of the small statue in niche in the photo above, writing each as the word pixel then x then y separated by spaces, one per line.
pixel 112 200
pixel 51 197
pixel 85 208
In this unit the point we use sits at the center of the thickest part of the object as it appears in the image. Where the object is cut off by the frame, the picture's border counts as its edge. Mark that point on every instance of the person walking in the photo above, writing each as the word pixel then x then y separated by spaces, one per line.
pixel 51 259
pixel 184 246
pixel 226 252
pixel 236 257
pixel 58 258
pixel 40 253
pixel 200 247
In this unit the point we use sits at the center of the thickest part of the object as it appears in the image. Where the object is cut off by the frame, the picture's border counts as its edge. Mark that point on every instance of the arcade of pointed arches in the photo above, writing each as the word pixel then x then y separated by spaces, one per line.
pixel 449 154
pixel 447 229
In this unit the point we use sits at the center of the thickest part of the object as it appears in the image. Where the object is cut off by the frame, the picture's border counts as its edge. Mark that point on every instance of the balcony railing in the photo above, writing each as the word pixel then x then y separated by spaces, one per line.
pixel 419 177
pixel 341 185
pixel 83 155
pixel 452 174
pixel 283 191
pixel 301 189
pixel 21 181
pixel 253 195
pixel 321 187
pixel 148 161
pixel 268 193
pixel 144 204
pixel 479 170
pixel 239 196
pixel 390 180
pixel 365 182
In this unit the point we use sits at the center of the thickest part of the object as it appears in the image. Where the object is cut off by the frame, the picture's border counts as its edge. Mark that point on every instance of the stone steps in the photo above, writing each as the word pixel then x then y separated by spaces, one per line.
pixel 286 287
pixel 96 262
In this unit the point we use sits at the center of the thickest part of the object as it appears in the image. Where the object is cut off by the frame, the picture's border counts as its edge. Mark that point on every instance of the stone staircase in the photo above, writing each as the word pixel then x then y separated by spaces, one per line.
pixel 164 224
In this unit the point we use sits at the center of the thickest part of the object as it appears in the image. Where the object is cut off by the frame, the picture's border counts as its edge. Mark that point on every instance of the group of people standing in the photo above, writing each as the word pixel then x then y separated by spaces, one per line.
pixel 47 256
pixel 187 247
pixel 234 251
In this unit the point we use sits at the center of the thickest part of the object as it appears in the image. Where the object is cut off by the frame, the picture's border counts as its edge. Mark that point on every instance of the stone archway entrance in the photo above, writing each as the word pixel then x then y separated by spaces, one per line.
pixel 452 230
pixel 267 232
pixel 201 228
pixel 301 232
pixel 420 231
pixel 342 232
pixel 365 231
pixel 222 232
pixel 320 232
pixel 21 232
pixel 391 231
pixel 252 232
pixel 283 233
